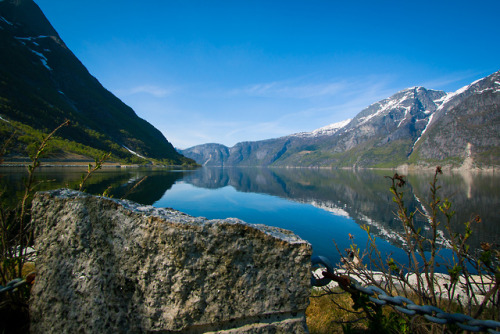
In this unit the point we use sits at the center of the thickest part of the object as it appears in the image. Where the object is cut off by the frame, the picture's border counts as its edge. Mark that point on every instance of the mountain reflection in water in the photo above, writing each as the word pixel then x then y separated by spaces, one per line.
pixel 320 205
pixel 364 196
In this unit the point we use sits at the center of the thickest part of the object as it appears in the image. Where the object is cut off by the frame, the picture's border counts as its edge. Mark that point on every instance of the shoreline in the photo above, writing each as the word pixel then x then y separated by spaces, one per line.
pixel 412 170
pixel 84 164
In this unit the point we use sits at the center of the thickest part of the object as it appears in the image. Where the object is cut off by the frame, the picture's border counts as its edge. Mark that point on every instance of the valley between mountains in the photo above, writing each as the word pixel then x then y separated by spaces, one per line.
pixel 42 84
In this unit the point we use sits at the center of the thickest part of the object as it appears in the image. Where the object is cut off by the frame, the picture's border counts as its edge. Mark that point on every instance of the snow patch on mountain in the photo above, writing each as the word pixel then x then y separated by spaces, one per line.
pixel 442 99
pixel 473 88
pixel 331 129
pixel 4 20
pixel 43 59
pixel 134 153
pixel 389 104
pixel 450 96
pixel 326 130
pixel 426 127
pixel 23 40
pixel 404 118
pixel 495 89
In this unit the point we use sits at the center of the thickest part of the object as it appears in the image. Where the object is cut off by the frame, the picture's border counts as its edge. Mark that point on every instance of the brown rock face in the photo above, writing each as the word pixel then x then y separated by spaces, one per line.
pixel 110 266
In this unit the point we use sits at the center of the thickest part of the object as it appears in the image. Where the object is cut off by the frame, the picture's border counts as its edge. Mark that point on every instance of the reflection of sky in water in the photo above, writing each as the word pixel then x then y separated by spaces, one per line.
pixel 318 226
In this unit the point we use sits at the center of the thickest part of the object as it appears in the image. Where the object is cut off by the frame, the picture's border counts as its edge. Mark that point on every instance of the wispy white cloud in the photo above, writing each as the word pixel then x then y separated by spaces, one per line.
pixel 230 116
pixel 307 87
pixel 339 101
pixel 358 94
pixel 291 89
pixel 153 90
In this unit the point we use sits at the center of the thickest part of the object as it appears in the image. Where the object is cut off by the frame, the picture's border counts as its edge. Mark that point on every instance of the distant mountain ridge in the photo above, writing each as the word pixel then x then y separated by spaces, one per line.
pixel 42 83
pixel 416 126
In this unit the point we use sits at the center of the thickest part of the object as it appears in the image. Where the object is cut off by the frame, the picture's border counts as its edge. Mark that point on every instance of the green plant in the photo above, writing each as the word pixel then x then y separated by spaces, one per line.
pixel 92 168
pixel 15 228
pixel 470 284
pixel 16 234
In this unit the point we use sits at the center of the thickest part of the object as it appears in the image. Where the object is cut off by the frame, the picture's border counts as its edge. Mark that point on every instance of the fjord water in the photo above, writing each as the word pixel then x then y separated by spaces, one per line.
pixel 322 206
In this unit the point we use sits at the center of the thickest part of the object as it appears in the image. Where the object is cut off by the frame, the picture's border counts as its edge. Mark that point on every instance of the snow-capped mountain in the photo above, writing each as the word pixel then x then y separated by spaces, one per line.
pixel 403 116
pixel 416 126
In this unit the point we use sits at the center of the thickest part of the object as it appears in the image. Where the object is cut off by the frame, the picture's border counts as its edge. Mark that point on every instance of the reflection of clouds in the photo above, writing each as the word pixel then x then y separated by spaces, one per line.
pixel 231 199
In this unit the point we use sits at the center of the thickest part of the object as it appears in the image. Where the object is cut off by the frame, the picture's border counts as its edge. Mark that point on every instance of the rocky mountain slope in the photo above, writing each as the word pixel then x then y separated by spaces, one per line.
pixel 42 83
pixel 465 129
pixel 416 126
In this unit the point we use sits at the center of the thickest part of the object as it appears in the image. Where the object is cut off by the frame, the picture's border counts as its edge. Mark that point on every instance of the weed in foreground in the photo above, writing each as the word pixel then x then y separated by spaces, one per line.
pixel 470 287
pixel 16 238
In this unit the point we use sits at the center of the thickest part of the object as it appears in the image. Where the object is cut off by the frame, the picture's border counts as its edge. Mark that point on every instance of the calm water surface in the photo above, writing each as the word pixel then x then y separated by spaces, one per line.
pixel 321 206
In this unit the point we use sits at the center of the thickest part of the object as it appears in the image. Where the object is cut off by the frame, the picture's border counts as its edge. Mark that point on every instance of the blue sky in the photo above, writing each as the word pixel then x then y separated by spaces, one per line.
pixel 236 70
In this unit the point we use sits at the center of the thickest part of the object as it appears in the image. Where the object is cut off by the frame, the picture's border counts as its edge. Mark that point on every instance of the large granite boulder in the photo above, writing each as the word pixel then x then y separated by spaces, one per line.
pixel 113 266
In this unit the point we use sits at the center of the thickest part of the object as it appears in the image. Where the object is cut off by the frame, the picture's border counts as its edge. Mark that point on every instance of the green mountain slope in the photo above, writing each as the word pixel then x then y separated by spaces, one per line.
pixel 42 83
